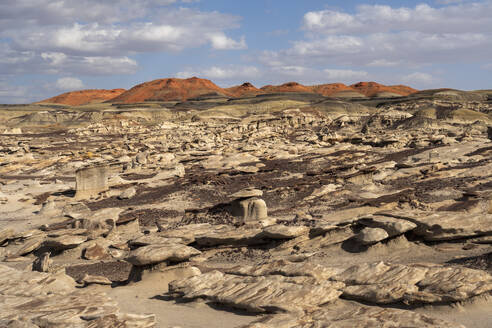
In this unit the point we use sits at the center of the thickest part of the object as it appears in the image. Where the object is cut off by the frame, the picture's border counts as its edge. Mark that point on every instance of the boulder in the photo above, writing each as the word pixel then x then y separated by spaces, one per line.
pixel 154 254
pixel 95 252
pixel 128 193
pixel 370 236
pixel 392 226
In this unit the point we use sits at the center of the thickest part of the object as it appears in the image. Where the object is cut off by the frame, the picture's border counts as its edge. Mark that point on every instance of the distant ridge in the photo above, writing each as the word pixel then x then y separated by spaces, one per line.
pixel 171 89
pixel 83 97
pixel 244 90
pixel 174 89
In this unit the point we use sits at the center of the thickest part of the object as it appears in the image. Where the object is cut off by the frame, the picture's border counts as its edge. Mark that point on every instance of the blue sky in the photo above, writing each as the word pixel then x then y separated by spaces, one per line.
pixel 52 46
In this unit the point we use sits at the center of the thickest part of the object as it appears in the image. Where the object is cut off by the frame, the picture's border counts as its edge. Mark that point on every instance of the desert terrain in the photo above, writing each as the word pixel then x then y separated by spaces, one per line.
pixel 178 203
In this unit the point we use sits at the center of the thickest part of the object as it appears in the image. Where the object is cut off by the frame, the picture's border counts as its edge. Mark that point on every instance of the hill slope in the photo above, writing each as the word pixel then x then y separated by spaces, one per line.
pixel 171 89
pixel 83 97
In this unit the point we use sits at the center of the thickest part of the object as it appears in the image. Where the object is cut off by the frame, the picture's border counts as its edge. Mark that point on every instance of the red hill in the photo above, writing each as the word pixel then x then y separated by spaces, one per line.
pixel 286 87
pixel 244 90
pixel 83 97
pixel 330 89
pixel 370 89
pixel 171 89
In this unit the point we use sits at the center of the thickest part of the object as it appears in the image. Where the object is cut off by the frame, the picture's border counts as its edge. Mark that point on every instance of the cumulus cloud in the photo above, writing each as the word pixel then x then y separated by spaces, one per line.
pixel 223 73
pixel 420 79
pixel 221 42
pixel 385 36
pixel 97 37
pixel 69 84
pixel 345 74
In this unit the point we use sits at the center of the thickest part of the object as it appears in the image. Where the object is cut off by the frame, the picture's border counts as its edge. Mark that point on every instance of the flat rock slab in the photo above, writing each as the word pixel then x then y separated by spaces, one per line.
pixel 156 238
pixel 266 294
pixel 287 269
pixel 30 245
pixel 248 192
pixel 153 254
pixel 392 226
pixel 5 234
pixel 384 283
pixel 370 236
pixel 47 300
pixel 441 226
pixel 64 242
pixel 353 316
pixel 280 231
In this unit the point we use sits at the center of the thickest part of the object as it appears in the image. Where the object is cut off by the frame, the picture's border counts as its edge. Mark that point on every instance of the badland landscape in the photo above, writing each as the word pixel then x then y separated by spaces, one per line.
pixel 179 202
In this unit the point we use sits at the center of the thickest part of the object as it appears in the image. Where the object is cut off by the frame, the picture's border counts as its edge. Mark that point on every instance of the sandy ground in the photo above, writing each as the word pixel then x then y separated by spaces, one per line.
pixel 474 314
pixel 148 296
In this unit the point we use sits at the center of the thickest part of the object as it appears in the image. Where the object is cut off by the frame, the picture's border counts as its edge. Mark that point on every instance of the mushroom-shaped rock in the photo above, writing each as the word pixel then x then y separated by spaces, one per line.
pixel 249 209
pixel 280 231
pixel 369 236
pixel 247 193
pixel 153 254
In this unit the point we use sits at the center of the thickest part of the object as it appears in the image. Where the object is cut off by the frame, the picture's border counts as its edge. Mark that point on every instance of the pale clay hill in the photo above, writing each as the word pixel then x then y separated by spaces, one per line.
pixel 174 89
pixel 248 208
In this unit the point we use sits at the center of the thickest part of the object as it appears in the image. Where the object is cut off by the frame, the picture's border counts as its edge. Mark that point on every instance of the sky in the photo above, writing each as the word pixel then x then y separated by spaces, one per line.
pixel 48 47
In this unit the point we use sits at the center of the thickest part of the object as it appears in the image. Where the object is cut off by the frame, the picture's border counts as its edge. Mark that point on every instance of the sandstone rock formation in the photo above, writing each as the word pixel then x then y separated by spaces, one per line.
pixel 300 209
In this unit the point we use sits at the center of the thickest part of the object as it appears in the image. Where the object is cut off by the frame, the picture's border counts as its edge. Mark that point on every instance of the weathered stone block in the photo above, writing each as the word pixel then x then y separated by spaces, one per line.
pixel 91 181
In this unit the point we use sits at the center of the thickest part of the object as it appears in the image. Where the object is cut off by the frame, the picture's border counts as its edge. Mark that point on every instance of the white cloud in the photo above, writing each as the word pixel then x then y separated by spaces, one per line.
pixel 345 74
pixel 458 18
pixel 223 73
pixel 175 30
pixel 384 36
pixel 13 94
pixel 94 37
pixel 221 42
pixel 69 84
pixel 420 79
pixel 487 66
